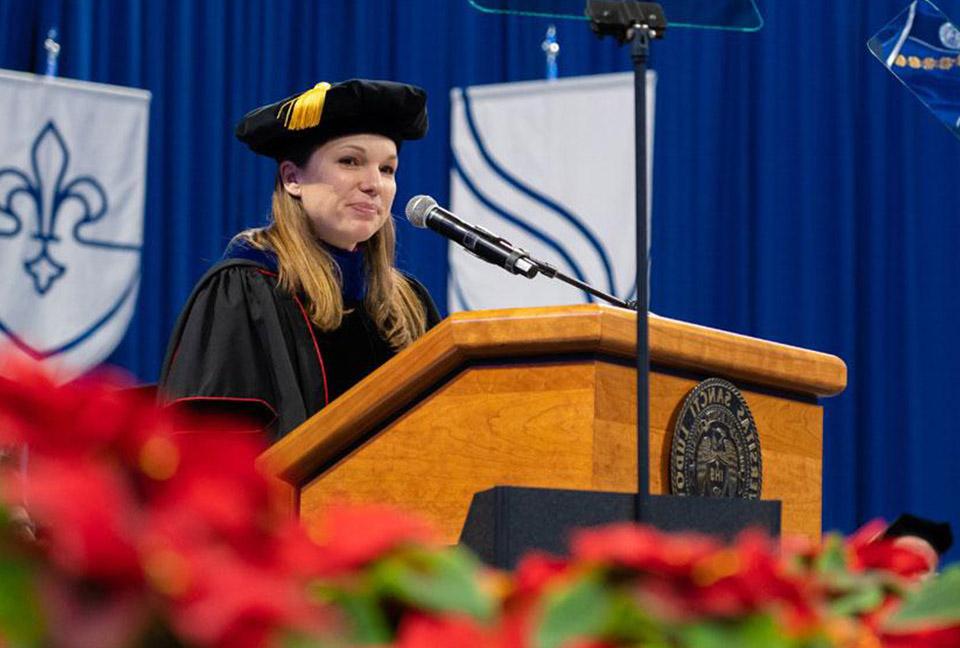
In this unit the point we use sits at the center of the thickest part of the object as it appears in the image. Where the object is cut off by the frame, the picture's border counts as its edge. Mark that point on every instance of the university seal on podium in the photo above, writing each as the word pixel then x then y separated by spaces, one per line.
pixel 716 449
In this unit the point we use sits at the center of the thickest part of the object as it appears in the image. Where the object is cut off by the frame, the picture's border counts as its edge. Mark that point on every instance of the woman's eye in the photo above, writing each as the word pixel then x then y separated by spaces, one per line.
pixel 350 161
pixel 388 170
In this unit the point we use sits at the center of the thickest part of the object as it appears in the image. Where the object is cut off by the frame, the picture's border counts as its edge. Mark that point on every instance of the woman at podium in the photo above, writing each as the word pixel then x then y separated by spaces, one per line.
pixel 298 311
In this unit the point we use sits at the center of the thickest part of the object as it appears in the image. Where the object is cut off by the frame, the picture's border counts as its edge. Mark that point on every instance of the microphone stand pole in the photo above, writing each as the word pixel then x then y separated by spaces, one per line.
pixel 637 23
pixel 515 518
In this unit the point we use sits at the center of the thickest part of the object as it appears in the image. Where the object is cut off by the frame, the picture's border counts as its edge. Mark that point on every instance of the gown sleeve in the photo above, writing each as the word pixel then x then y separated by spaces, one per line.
pixel 228 353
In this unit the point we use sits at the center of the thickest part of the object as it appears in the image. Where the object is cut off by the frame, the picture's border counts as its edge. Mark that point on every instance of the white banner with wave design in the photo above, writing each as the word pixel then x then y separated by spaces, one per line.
pixel 73 159
pixel 548 165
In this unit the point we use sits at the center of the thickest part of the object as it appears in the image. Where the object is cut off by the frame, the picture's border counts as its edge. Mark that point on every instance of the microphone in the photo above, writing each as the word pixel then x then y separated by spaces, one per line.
pixel 423 211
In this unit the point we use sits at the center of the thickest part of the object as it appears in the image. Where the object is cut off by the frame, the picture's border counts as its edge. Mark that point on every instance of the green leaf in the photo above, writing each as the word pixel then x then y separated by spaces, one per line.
pixel 367 618
pixel 21 622
pixel 935 604
pixel 628 623
pixel 581 610
pixel 445 581
pixel 833 558
pixel 857 601
pixel 759 631
pixel 297 640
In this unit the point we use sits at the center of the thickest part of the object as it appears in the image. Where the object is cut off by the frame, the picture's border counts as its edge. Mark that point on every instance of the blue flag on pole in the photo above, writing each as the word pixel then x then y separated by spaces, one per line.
pixel 72 191
pixel 548 165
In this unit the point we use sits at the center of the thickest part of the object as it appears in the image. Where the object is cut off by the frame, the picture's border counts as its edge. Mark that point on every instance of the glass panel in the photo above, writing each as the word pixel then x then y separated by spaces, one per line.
pixel 739 15
pixel 921 47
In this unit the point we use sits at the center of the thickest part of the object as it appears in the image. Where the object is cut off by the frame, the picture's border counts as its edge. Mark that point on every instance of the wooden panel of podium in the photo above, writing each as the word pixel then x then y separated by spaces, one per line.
pixel 545 397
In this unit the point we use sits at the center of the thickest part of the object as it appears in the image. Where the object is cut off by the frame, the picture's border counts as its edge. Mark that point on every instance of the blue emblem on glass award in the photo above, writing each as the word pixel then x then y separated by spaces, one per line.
pixel 921 47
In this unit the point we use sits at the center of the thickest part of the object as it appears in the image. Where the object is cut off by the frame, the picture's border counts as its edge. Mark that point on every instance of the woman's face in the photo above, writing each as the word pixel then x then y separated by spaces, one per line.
pixel 347 186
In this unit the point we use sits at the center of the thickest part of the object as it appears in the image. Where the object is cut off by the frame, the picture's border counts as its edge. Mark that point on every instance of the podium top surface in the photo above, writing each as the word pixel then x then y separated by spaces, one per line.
pixel 588 329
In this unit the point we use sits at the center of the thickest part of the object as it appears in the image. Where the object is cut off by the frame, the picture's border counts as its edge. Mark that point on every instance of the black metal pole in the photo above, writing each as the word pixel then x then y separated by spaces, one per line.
pixel 637 23
pixel 640 52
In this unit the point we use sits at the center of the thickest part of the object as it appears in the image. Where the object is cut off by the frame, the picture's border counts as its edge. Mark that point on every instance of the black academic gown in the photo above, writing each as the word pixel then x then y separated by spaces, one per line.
pixel 243 345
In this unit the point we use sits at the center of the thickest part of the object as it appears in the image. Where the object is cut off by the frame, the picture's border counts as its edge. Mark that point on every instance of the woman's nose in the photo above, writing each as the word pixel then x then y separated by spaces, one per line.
pixel 371 181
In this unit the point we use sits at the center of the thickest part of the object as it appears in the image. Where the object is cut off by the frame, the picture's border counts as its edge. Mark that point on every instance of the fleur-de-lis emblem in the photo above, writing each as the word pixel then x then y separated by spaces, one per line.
pixel 39 196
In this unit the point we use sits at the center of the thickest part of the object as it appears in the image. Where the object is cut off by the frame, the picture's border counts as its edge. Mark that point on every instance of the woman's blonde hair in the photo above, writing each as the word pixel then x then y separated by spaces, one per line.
pixel 307 267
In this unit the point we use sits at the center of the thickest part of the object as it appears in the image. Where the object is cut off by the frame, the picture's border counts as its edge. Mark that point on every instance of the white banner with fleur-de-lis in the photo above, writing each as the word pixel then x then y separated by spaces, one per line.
pixel 548 165
pixel 72 189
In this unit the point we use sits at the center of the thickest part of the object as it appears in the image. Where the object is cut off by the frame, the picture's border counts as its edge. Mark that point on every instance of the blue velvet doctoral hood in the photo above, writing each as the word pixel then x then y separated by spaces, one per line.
pixel 351 265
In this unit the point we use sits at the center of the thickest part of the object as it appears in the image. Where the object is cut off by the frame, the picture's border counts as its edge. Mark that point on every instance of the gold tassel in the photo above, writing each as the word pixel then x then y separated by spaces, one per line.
pixel 305 110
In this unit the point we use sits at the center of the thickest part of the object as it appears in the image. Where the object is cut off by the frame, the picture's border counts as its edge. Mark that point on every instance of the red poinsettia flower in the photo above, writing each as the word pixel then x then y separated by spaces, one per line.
pixel 929 638
pixel 86 516
pixel 893 557
pixel 642 548
pixel 746 578
pixel 450 631
pixel 219 599
pixel 214 491
pixel 349 537
pixel 116 495
pixel 538 570
pixel 77 473
pixel 867 549
pixel 681 577
pixel 92 416
pixel 220 550
pixel 80 614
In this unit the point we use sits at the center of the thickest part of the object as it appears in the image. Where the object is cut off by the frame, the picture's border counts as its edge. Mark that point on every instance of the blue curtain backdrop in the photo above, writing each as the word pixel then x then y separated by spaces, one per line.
pixel 801 193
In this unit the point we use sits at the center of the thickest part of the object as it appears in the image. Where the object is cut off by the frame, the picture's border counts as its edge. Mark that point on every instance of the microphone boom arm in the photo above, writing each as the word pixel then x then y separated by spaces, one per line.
pixel 423 211
pixel 551 272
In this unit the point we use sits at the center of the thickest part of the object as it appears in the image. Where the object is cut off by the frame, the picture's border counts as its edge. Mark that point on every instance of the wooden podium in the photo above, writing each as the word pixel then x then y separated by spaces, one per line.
pixel 546 397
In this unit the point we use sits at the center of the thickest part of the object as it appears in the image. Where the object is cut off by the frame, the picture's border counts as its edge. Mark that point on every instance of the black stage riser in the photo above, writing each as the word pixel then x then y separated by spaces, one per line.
pixel 506 522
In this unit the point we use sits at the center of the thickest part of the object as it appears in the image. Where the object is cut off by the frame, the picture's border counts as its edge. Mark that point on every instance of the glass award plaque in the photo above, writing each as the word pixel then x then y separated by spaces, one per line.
pixel 736 15
pixel 921 47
